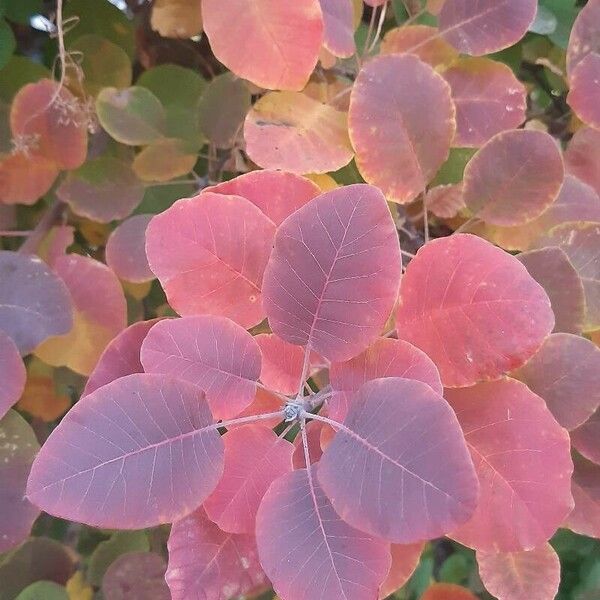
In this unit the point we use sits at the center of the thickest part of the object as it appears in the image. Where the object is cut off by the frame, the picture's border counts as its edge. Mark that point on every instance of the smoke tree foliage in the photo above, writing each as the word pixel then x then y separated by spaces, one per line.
pixel 314 283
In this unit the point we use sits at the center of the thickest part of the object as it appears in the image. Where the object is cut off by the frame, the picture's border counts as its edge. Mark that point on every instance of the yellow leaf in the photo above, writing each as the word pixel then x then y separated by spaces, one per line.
pixel 324 181
pixel 78 588
pixel 177 18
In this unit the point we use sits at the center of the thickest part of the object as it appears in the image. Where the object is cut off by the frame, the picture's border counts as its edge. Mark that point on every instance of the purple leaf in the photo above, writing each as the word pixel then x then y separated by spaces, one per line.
pixel 12 373
pixel 137 452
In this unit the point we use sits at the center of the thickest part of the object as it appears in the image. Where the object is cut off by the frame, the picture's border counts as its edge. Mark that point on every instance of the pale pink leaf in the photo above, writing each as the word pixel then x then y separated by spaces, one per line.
pixel 126 250
pixel 12 373
pixel 585 35
pixel 582 159
pixel 584 95
pixel 586 438
pixel 445 201
pixel 585 518
pixel 281 363
pixel 314 431
pixel 338 22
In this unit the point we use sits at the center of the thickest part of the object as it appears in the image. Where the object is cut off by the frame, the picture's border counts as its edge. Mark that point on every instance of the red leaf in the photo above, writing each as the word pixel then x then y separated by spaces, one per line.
pixel 488 98
pixel 514 178
pixel 121 357
pixel 333 275
pixel 585 518
pixel 447 591
pixel 281 363
pixel 472 308
pixel 52 120
pixel 338 22
pixel 399 467
pixel 383 358
pixel 34 303
pixel 584 96
pixel 24 179
pixel 485 26
pixel 530 575
pixel 277 193
pixel 12 373
pixel 522 457
pixel 565 372
pixel 205 562
pixel 126 250
pixel 405 558
pixel 333 560
pixel 553 270
pixel 137 452
pixel 401 124
pixel 273 44
pixel 17 451
pixel 209 253
pixel 213 353
pixel 254 458
pixel 586 438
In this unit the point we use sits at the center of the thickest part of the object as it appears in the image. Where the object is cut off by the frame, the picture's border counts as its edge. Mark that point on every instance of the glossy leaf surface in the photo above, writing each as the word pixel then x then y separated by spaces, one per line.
pixel 277 193
pixel 522 457
pixel 247 476
pixel 528 575
pixel 514 178
pixel 489 99
pixel 293 132
pixel 18 447
pixel 12 373
pixel 34 303
pixel 209 253
pixel 399 468
pixel 460 298
pixel 485 26
pixel 383 358
pixel 275 45
pixel 205 562
pixel 333 275
pixel 333 559
pixel 401 124
pixel 126 250
pixel 213 353
pixel 137 452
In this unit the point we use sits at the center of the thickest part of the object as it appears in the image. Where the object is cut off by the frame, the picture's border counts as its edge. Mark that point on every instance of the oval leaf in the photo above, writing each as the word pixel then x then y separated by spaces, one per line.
pixel 472 308
pixel 137 452
pixel 34 303
pixel 213 353
pixel 586 438
pixel 276 45
pixel 447 591
pixel 522 457
pixel 126 250
pixel 529 575
pixel 514 178
pixel 399 467
pixel 401 123
pixel 205 562
pixel 585 518
pixel 585 35
pixel 12 373
pixel 582 160
pixel 293 132
pixel 338 22
pixel 334 560
pixel 247 476
pixel 209 253
pixel 25 179
pixel 584 95
pixel 333 275
pixel 405 558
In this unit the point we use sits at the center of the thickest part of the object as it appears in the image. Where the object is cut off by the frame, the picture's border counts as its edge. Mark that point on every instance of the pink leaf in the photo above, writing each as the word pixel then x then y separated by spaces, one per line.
pixel 264 402
pixel 338 22
pixel 582 160
pixel 401 124
pixel 586 438
pixel 17 451
pixel 529 575
pixel 584 96
pixel 447 591
pixel 254 458
pixel 277 193
pixel 488 98
pixel 209 253
pixel 273 44
pixel 384 358
pixel 485 26
pixel 126 250
pixel 137 452
pixel 333 275
pixel 205 562
pixel 307 551
pixel 585 35
pixel 399 468
pixel 522 457
pixel 472 308
pixel 405 558
pixel 314 430
pixel 281 363
pixel 34 303
pixel 12 373
pixel 213 353
pixel 136 576
pixel 565 372
pixel 553 270
pixel 121 357
pixel 514 178
pixel 585 518
pixel 445 201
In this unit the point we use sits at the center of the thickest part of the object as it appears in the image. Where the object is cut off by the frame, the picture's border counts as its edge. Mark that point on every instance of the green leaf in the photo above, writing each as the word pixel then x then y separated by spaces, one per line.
pixel 18 72
pixel 7 42
pixel 453 169
pixel 43 590
pixel 132 116
pixel 157 198
pixel 21 11
pixel 107 552
pixel 565 12
pixel 545 22
pixel 456 569
pixel 174 85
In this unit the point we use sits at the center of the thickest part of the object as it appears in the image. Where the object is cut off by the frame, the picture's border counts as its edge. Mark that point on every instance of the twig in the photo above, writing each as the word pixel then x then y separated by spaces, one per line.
pixel 379 27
